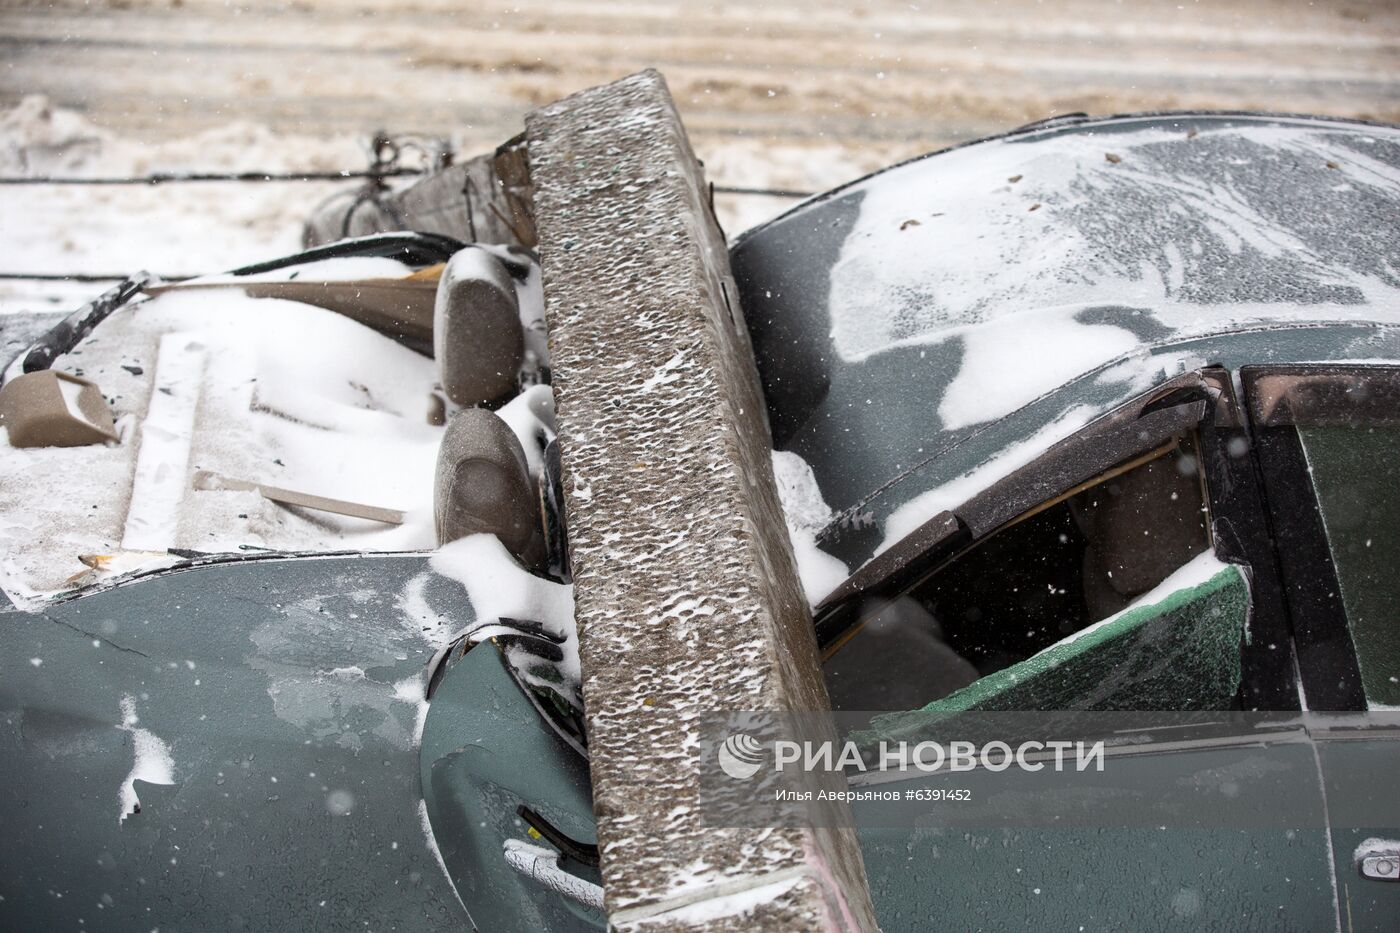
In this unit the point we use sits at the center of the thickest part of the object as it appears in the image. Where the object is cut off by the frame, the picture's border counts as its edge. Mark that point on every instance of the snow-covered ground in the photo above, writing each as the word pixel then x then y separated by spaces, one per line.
pixel 173 229
pixel 188 229
pixel 776 72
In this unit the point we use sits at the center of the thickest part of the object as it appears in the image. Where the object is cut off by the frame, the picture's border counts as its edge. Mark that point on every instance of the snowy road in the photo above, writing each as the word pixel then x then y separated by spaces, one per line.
pixel 905 75
pixel 783 93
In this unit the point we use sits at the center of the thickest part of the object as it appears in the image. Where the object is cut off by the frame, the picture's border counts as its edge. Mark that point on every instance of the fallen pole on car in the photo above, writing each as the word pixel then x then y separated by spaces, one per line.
pixel 686 590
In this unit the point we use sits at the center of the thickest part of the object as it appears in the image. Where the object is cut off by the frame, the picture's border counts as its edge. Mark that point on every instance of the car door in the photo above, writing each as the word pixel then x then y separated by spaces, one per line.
pixel 1147 585
pixel 508 799
pixel 1328 441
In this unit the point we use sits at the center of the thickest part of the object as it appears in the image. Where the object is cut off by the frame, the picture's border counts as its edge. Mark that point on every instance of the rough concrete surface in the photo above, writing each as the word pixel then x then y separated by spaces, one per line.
pixel 686 592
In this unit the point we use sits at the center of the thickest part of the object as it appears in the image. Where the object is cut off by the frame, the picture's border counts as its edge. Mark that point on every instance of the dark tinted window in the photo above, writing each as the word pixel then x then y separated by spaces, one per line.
pixel 1330 436
pixel 1072 562
pixel 1355 473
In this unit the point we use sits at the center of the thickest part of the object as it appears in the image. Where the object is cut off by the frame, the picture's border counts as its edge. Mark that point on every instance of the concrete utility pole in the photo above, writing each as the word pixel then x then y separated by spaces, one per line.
pixel 686 592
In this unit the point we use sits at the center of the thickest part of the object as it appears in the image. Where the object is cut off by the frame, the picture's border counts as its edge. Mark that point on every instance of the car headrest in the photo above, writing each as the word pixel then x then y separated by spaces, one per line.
pixel 482 485
pixel 478 340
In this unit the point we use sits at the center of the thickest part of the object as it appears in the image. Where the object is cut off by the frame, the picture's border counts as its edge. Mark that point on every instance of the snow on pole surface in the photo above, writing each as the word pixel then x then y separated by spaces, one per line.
pixel 686 593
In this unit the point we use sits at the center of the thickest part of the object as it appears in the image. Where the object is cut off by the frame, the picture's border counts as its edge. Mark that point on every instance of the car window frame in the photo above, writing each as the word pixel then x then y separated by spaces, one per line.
pixel 1125 433
pixel 1202 400
pixel 1278 398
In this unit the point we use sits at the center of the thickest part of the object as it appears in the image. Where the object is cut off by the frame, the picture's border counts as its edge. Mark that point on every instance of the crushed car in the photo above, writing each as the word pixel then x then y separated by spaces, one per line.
pixel 1099 415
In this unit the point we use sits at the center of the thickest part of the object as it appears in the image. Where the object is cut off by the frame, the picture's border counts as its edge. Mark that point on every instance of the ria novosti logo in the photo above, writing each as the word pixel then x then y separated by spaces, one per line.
pixel 740 756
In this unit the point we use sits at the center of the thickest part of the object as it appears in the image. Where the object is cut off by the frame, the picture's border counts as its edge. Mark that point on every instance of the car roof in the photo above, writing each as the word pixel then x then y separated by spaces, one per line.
pixel 916 323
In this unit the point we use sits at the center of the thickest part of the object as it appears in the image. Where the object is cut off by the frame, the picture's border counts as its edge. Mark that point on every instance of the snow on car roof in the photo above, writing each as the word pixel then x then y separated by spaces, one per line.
pixel 912 324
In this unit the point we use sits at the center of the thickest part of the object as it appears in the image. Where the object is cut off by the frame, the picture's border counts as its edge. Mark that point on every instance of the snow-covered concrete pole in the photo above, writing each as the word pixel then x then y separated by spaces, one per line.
pixel 686 591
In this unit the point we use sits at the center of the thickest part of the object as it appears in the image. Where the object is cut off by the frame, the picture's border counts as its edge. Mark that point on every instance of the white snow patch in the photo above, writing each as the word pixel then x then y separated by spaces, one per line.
pixel 726 906
pixel 158 488
pixel 801 497
pixel 499 588
pixel 169 229
pixel 1009 362
pixel 665 374
pixel 349 672
pixel 530 294
pixel 807 514
pixel 531 416
pixel 422 619
pixel 430 841
pixel 1137 372
pixel 1200 569
pixel 414 690
pixel 153 763
pixel 1375 846
pixel 907 518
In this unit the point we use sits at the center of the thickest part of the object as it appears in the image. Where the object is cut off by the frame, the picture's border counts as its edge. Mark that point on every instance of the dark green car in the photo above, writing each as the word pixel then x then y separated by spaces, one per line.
pixel 1099 416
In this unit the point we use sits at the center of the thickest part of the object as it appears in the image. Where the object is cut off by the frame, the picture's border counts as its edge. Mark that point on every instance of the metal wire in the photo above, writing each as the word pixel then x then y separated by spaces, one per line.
pixel 763 192
pixel 75 277
pixel 376 173
pixel 167 178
